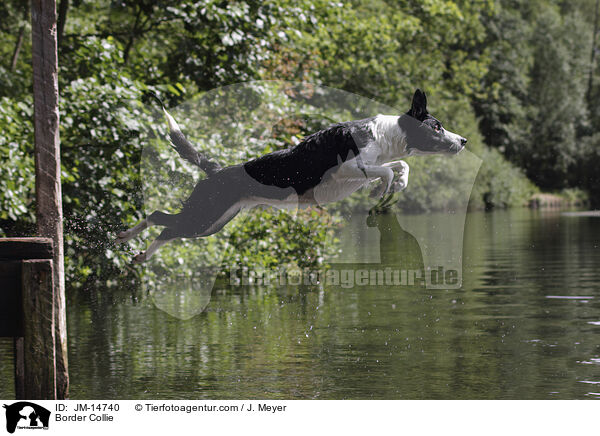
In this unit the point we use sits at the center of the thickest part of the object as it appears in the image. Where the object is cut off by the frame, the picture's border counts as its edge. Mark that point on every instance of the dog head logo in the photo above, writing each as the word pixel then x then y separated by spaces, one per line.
pixel 26 415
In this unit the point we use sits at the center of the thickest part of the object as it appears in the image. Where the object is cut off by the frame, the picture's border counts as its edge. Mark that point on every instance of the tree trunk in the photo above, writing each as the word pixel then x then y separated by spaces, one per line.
pixel 47 165
pixel 63 7
pixel 593 55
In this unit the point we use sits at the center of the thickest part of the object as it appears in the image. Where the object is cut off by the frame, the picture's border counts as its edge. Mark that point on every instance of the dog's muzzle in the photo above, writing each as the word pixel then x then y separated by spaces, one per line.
pixel 460 147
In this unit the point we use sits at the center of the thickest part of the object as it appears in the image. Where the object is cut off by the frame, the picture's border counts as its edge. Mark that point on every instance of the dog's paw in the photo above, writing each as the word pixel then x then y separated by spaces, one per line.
pixel 399 184
pixel 402 168
pixel 401 177
pixel 140 258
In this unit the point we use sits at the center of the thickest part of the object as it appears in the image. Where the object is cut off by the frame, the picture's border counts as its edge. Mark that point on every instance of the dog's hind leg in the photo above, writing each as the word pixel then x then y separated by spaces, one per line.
pixel 128 234
pixel 156 218
pixel 165 236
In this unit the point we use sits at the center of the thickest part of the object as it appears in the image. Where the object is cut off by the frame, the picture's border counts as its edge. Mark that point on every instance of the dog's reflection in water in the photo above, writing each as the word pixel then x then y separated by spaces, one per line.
pixel 397 248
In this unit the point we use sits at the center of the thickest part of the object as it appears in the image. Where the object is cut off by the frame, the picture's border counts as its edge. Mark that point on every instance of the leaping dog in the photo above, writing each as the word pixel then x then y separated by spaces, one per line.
pixel 325 167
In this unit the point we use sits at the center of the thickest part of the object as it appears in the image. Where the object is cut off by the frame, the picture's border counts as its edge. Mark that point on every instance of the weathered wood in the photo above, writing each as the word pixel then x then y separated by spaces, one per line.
pixel 25 248
pixel 19 368
pixel 10 299
pixel 47 164
pixel 38 330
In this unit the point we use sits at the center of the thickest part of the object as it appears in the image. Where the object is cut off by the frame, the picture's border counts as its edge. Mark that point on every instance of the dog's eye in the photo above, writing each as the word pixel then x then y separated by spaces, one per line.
pixel 437 127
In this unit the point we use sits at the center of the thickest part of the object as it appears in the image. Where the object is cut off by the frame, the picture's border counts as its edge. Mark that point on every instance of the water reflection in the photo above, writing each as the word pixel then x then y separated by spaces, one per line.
pixel 397 247
pixel 504 334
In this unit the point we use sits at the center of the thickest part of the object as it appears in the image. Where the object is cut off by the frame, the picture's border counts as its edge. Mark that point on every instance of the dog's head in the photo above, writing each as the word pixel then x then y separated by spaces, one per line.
pixel 424 133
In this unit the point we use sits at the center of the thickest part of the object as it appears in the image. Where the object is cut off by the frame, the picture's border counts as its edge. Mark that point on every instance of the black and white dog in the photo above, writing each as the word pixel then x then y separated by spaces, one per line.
pixel 326 166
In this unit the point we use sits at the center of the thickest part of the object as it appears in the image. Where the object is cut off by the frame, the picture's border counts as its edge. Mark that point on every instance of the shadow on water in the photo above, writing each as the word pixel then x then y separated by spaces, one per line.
pixel 397 247
pixel 524 325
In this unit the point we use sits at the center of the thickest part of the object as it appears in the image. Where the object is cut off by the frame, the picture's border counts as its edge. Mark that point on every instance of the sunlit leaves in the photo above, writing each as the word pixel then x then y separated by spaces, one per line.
pixel 16 160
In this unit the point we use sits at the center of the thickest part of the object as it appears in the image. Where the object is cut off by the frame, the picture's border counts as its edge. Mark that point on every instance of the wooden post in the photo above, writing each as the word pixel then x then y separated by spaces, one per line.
pixel 38 329
pixel 19 369
pixel 47 165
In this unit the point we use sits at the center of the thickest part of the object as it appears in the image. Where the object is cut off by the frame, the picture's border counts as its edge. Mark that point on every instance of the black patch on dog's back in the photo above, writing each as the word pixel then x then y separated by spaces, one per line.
pixel 303 166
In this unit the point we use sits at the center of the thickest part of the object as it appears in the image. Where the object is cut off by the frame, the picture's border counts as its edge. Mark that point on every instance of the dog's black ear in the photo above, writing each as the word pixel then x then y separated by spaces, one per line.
pixel 418 108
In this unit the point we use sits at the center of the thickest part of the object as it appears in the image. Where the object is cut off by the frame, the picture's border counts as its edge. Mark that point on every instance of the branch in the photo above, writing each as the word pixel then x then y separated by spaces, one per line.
pixel 62 19
pixel 19 43
pixel 17 50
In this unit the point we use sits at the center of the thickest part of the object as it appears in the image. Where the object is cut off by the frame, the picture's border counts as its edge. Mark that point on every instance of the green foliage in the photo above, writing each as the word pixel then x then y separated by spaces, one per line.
pixel 15 31
pixel 500 184
pixel 101 144
pixel 384 50
pixel 16 161
pixel 574 196
pixel 557 100
pixel 587 167
pixel 533 104
pixel 505 73
pixel 268 240
pixel 499 103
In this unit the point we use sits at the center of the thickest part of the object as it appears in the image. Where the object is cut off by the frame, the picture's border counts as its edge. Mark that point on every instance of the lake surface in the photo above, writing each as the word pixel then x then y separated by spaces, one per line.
pixel 524 325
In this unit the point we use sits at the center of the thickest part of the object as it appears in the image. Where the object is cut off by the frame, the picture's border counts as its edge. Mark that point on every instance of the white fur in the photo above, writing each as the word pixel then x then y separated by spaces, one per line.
pixel 347 177
pixel 173 126
pixel 390 140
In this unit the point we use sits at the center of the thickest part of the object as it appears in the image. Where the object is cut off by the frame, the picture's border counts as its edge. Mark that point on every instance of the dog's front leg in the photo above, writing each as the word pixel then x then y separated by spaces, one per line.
pixel 380 172
pixel 400 179
pixel 401 169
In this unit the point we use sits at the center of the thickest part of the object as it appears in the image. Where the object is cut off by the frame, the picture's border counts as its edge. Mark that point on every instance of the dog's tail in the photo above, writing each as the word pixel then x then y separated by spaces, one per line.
pixel 185 148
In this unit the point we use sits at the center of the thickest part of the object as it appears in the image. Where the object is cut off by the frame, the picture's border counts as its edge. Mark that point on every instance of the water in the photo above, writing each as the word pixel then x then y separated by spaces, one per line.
pixel 525 325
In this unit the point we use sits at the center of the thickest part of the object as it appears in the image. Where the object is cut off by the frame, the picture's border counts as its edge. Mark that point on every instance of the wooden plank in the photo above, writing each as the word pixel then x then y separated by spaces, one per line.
pixel 25 248
pixel 10 299
pixel 38 330
pixel 19 369
pixel 49 216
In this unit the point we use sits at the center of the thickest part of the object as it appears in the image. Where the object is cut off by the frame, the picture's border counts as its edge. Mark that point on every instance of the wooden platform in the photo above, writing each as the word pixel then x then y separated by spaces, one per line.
pixel 27 314
pixel 12 253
